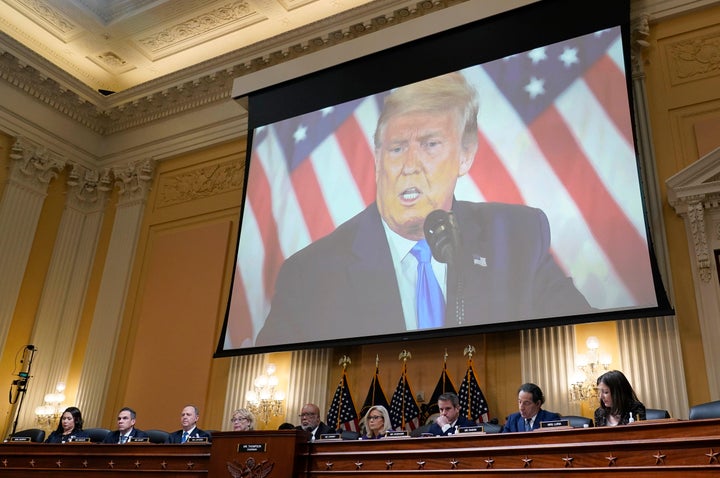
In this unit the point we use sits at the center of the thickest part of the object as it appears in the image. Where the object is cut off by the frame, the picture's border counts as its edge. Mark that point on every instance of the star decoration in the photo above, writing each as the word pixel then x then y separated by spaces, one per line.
pixel 5 462
pixel 111 464
pixel 537 55
pixel 454 464
pixel 611 459
pixel 163 465
pixel 327 111
pixel 137 463
pixel 535 88
pixel 388 465
pixel 85 463
pixel 421 465
pixel 190 465
pixel 489 463
pixel 569 56
pixel 32 463
pixel 568 461
pixel 59 463
pixel 659 458
pixel 328 465
pixel 300 133
pixel 527 461
pixel 358 465
pixel 713 455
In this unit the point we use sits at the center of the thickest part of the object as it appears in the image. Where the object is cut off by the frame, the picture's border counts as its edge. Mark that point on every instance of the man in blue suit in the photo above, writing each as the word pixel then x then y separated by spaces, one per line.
pixel 450 419
pixel 361 279
pixel 531 414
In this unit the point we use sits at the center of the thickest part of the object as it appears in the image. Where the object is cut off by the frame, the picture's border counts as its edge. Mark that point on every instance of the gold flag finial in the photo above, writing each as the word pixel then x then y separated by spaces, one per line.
pixel 344 361
pixel 445 356
pixel 469 351
pixel 377 360
pixel 404 356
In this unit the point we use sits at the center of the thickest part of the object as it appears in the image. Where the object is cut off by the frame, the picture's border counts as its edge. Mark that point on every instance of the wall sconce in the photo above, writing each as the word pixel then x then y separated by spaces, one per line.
pixel 263 400
pixel 588 366
pixel 48 414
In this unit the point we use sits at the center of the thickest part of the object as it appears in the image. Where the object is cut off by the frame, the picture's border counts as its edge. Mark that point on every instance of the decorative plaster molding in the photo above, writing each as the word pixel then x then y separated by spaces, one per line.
pixel 200 182
pixel 88 188
pixel 694 58
pixel 33 166
pixel 696 221
pixel 134 181
pixel 44 14
pixel 638 42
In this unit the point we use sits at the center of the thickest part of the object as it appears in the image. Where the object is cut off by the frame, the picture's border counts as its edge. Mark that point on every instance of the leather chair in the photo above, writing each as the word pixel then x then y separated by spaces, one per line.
pixel 157 436
pixel 97 435
pixel 705 410
pixel 491 427
pixel 577 421
pixel 36 435
pixel 656 414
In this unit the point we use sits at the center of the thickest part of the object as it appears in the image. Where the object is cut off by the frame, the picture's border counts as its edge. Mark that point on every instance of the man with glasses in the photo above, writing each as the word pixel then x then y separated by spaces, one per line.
pixel 311 423
pixel 450 419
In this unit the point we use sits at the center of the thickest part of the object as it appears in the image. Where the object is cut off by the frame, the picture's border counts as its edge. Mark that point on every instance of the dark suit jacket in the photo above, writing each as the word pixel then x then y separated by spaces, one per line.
pixel 462 421
pixel 176 437
pixel 321 430
pixel 516 423
pixel 57 437
pixel 636 408
pixel 508 271
pixel 114 437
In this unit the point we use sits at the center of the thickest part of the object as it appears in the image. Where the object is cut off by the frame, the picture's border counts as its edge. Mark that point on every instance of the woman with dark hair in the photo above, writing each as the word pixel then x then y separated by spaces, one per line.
pixel 69 428
pixel 618 403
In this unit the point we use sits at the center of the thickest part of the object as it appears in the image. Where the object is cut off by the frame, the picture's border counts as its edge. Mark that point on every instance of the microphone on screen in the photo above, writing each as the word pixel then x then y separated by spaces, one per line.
pixel 442 235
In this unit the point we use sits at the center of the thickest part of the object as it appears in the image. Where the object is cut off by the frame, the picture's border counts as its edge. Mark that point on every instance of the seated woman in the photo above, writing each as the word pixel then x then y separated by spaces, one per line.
pixel 618 403
pixel 376 422
pixel 69 428
pixel 243 420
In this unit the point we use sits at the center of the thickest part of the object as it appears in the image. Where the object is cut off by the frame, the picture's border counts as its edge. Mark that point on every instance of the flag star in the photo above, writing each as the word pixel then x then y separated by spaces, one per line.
pixel 569 56
pixel 300 133
pixel 537 55
pixel 535 88
pixel 327 111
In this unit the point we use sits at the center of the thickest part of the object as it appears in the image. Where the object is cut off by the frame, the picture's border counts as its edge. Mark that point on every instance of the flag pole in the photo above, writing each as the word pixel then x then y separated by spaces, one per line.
pixel 469 351
pixel 404 356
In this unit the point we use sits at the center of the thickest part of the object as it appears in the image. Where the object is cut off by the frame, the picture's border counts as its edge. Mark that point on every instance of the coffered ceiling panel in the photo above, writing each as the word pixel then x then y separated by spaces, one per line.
pixel 113 45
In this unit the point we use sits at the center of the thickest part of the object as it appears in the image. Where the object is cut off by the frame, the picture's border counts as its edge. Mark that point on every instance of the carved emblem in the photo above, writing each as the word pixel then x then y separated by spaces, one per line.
pixel 250 469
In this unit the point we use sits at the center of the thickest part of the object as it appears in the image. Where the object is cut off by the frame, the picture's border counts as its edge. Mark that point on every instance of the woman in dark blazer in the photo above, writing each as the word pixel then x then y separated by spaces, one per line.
pixel 69 428
pixel 618 403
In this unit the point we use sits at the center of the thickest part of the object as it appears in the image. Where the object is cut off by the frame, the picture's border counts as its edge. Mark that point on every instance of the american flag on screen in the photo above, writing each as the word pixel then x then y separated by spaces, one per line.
pixel 554 133
pixel 404 410
pixel 472 400
pixel 342 414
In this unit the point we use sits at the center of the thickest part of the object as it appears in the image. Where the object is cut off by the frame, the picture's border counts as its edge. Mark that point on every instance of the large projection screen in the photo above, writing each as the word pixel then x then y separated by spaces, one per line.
pixel 316 265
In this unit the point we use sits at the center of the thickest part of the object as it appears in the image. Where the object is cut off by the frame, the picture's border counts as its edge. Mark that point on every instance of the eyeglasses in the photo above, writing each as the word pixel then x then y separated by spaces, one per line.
pixel 376 417
pixel 234 419
pixel 307 415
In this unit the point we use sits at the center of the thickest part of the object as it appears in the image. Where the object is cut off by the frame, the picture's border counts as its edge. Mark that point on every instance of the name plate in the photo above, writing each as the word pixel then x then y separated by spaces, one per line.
pixel 396 433
pixel 196 440
pixel 555 423
pixel 330 436
pixel 473 429
pixel 79 439
pixel 19 439
pixel 252 447
pixel 139 440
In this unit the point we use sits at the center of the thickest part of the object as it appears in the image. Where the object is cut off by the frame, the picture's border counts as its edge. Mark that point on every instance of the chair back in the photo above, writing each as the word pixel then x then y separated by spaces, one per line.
pixel 36 435
pixel 656 414
pixel 705 410
pixel 97 435
pixel 576 421
pixel 157 436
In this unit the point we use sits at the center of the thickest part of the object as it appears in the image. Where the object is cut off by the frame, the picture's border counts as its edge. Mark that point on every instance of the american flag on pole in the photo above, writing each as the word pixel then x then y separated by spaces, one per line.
pixel 554 133
pixel 342 414
pixel 375 395
pixel 472 401
pixel 444 385
pixel 404 410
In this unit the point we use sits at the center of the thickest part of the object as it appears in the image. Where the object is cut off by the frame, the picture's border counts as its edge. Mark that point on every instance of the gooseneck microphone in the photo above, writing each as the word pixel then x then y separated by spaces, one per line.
pixel 443 236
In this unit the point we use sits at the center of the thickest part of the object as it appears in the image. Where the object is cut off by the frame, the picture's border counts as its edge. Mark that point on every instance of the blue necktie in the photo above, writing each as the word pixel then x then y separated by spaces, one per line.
pixel 429 296
pixel 184 437
pixel 528 424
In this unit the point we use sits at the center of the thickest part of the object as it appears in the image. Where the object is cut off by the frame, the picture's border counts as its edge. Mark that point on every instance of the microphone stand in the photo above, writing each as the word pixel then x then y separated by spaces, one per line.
pixel 22 384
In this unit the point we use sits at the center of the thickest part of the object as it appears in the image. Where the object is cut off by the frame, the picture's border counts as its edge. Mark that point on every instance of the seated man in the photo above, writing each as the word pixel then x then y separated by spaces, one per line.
pixel 311 423
pixel 530 400
pixel 188 419
pixel 126 428
pixel 450 419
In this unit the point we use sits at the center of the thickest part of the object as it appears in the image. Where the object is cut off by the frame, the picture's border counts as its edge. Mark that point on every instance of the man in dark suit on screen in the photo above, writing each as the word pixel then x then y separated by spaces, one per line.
pixel 363 279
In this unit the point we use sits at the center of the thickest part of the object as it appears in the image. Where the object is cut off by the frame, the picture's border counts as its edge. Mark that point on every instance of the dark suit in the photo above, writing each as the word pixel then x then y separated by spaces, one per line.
pixel 516 423
pixel 58 437
pixel 462 421
pixel 509 274
pixel 114 437
pixel 321 429
pixel 176 437
pixel 636 408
